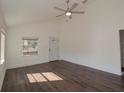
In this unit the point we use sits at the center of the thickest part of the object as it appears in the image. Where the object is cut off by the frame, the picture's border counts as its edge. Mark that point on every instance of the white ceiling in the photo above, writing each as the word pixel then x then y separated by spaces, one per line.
pixel 28 11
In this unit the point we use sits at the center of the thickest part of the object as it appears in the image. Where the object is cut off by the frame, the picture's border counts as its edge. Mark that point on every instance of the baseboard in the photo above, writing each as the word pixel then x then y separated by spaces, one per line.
pixel 92 68
pixel 72 63
pixel 21 66
pixel 55 60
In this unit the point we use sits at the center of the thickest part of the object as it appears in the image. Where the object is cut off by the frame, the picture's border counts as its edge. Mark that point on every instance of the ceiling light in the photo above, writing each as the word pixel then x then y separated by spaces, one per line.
pixel 68 14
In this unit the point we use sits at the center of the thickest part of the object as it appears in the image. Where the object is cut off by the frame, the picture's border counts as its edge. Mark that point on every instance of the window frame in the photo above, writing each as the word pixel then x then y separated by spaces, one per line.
pixel 2 44
pixel 29 52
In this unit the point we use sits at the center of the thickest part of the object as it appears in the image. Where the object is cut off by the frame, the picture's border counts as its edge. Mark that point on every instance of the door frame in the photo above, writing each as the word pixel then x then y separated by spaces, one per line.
pixel 120 50
pixel 52 38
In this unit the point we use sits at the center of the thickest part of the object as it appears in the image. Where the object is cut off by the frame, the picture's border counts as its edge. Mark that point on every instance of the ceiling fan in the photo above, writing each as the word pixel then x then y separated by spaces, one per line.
pixel 69 11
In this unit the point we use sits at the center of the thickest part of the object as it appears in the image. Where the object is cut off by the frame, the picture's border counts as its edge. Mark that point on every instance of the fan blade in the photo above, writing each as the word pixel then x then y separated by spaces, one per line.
pixel 85 1
pixel 68 1
pixel 73 6
pixel 77 12
pixel 60 15
pixel 68 5
pixel 59 9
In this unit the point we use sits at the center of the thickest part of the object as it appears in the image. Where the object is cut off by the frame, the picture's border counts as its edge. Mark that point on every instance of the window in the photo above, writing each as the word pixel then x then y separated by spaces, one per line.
pixel 2 48
pixel 30 46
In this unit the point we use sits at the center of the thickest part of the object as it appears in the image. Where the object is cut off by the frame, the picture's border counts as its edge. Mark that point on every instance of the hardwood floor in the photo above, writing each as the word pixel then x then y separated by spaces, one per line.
pixel 60 76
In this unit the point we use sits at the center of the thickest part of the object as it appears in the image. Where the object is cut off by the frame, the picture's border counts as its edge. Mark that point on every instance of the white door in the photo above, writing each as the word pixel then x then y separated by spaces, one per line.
pixel 53 48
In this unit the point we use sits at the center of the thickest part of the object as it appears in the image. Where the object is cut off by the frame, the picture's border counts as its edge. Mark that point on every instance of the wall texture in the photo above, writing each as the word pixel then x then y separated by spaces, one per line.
pixel 92 39
pixel 14 43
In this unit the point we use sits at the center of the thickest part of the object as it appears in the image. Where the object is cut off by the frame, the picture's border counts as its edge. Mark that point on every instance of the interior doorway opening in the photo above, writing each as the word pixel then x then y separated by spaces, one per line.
pixel 53 49
pixel 121 32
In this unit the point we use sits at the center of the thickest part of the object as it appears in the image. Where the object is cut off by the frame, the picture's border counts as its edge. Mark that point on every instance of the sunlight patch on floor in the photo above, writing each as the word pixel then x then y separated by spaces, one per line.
pixel 39 78
pixel 51 76
pixel 43 77
pixel 30 78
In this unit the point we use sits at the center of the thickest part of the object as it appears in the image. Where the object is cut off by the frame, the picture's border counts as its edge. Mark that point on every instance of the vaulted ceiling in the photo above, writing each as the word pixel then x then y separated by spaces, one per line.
pixel 28 11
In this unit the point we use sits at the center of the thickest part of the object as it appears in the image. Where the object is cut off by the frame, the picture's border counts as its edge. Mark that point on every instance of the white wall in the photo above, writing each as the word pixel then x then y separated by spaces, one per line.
pixel 2 66
pixel 14 43
pixel 93 39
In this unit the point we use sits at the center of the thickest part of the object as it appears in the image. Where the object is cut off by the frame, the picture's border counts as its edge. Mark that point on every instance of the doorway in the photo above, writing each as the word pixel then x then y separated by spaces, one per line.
pixel 121 32
pixel 53 48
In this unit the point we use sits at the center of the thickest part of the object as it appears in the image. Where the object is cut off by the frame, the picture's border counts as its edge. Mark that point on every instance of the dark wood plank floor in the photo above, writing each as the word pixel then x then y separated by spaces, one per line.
pixel 75 78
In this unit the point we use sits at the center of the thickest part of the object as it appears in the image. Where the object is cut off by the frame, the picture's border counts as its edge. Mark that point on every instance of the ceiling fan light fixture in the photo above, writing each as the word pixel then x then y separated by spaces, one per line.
pixel 68 14
pixel 69 10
